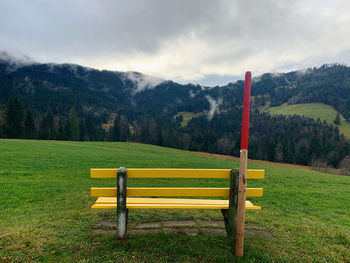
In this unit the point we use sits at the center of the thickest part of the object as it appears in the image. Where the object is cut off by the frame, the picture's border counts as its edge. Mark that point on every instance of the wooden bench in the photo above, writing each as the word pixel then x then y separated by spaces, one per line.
pixel 123 198
pixel 107 197
pixel 233 209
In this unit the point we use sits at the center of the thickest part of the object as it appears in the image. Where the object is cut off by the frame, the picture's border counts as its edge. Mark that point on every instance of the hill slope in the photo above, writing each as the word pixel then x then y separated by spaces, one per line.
pixel 45 210
pixel 313 110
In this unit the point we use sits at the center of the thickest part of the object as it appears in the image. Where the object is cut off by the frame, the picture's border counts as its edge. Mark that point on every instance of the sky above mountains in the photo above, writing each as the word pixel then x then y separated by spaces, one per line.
pixel 200 41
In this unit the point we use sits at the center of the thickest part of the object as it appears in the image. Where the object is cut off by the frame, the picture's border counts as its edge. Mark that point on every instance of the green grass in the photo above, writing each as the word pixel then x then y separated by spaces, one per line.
pixel 313 110
pixel 187 116
pixel 45 213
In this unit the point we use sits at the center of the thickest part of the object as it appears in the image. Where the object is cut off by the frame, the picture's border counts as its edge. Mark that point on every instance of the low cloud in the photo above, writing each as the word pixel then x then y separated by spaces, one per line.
pixel 16 60
pixel 214 106
pixel 142 81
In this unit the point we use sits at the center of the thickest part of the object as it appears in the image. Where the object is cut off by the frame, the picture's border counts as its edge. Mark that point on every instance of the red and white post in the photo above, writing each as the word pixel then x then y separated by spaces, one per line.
pixel 242 186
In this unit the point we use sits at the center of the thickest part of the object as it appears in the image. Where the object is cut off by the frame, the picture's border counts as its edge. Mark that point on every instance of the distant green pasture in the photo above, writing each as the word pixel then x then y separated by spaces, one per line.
pixel 313 110
pixel 187 116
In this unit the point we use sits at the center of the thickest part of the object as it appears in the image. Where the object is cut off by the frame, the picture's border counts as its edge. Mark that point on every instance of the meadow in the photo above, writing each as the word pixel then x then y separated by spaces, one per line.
pixel 313 110
pixel 45 213
pixel 187 116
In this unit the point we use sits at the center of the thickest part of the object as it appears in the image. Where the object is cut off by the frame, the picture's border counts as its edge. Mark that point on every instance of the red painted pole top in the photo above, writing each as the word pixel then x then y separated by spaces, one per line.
pixel 246 111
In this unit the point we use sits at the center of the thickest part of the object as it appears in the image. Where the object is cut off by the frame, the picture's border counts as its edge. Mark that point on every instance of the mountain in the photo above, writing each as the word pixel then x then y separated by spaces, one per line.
pixel 61 86
pixel 72 102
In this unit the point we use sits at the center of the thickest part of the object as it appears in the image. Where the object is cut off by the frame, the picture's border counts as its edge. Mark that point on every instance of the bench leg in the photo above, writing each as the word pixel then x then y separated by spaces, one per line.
pixel 122 212
pixel 230 214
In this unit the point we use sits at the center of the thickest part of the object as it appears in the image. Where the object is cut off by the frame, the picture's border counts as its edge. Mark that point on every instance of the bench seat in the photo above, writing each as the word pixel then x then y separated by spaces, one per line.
pixel 167 203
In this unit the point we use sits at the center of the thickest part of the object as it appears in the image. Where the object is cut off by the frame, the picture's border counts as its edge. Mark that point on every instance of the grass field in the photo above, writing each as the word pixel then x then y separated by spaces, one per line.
pixel 313 110
pixel 45 213
pixel 187 116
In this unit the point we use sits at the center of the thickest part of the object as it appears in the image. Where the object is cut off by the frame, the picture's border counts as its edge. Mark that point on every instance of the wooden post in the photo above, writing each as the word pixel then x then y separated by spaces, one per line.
pixel 122 213
pixel 242 185
pixel 230 214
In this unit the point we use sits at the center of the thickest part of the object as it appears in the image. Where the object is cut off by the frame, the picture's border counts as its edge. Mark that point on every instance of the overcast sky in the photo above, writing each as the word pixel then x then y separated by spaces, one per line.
pixel 207 42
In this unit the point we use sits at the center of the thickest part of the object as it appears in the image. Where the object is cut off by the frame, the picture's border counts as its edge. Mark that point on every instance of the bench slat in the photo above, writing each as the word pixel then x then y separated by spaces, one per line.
pixel 171 191
pixel 145 203
pixel 173 173
pixel 136 200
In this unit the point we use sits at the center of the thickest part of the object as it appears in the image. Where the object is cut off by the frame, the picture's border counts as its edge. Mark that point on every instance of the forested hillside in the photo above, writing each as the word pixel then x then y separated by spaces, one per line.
pixel 71 102
pixel 329 84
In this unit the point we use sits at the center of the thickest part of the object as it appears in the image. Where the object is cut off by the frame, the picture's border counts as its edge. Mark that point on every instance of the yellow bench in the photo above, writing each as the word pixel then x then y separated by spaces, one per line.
pixel 107 197
pixel 143 197
pixel 233 209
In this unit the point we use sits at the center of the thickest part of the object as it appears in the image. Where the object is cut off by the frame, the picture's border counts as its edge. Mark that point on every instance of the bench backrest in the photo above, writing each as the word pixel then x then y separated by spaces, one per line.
pixel 173 191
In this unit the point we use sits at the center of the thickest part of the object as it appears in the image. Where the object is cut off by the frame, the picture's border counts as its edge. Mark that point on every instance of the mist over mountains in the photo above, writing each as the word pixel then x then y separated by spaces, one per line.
pixel 72 102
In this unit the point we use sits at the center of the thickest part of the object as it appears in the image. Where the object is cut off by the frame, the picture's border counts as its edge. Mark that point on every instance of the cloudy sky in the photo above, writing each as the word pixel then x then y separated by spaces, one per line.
pixel 201 41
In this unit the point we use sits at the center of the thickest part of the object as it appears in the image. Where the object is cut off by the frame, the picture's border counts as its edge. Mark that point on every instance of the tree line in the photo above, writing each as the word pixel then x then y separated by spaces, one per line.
pixel 293 139
pixel 25 123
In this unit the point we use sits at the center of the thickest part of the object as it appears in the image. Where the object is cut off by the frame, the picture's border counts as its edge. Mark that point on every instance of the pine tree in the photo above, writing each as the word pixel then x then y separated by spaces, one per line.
pixel 271 151
pixel 302 155
pixel 29 126
pixel 47 130
pixel 67 130
pixel 160 137
pixel 124 128
pixel 315 145
pixel 83 130
pixel 337 119
pixel 14 118
pixel 116 129
pixel 286 149
pixel 61 131
pixel 74 125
